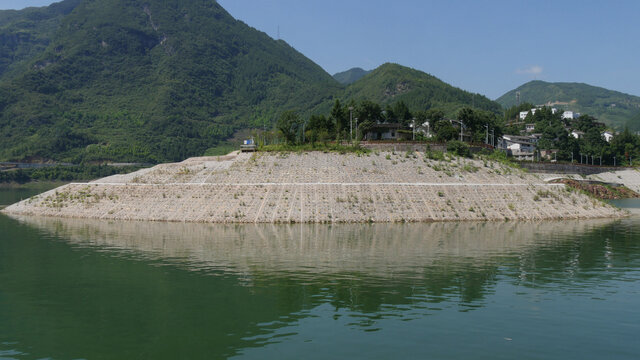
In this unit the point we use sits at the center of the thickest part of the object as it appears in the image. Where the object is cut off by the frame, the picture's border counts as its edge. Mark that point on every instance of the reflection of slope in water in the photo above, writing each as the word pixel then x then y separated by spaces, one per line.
pixel 375 250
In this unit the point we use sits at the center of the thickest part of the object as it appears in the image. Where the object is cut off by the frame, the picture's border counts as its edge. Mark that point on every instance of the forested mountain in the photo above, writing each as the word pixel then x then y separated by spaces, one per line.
pixel 611 107
pixel 162 80
pixel 350 76
pixel 391 83
pixel 26 34
pixel 143 80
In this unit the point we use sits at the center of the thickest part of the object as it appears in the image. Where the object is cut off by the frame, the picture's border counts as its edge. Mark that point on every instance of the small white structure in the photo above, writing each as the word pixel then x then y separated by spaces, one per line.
pixel 523 114
pixel 424 129
pixel 577 134
pixel 570 115
pixel 607 135
pixel 530 127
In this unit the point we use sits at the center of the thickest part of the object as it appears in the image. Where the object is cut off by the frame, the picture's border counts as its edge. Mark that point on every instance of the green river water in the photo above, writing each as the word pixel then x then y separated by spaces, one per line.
pixel 80 289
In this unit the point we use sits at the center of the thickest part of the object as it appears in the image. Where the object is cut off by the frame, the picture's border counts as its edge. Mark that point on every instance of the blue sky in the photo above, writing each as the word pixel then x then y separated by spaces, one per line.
pixel 489 47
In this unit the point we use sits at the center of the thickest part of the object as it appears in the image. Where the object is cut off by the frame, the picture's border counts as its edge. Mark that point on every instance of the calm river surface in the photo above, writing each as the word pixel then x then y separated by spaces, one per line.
pixel 74 289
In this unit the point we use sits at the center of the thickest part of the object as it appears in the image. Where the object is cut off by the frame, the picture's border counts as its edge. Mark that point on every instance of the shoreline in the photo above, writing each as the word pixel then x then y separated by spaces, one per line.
pixel 316 187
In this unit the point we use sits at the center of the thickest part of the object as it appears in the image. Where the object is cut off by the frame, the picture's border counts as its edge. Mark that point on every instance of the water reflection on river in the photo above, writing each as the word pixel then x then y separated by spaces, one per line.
pixel 94 289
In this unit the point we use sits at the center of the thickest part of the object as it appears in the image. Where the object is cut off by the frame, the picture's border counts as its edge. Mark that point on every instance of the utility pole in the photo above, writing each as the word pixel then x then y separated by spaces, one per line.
pixel 303 135
pixel 493 137
pixel 351 124
pixel 413 128
pixel 486 138
pixel 460 130
pixel 356 129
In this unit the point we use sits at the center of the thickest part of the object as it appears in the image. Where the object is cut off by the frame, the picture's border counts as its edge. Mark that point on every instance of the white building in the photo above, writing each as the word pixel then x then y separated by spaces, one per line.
pixel 570 115
pixel 607 135
pixel 523 114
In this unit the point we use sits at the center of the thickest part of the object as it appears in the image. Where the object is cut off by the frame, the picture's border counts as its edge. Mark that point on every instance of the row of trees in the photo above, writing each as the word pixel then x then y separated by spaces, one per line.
pixel 352 120
pixel 478 125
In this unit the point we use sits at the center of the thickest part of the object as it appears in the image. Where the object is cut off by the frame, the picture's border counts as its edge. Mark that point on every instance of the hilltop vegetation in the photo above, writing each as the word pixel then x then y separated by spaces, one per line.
pixel 391 83
pixel 350 76
pixel 614 108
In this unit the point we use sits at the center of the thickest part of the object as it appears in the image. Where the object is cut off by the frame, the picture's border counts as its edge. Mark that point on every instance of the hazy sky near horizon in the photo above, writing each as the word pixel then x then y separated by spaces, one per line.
pixel 488 47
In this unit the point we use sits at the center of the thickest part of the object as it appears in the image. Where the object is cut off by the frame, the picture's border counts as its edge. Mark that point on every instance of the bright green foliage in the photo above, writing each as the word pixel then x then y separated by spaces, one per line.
pixel 458 148
pixel 611 107
pixel 444 130
pixel 290 125
pixel 477 123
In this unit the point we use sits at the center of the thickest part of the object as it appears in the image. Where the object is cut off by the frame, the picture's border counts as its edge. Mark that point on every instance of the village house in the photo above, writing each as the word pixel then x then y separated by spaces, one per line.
pixel 520 147
pixel 607 135
pixel 384 131
pixel 570 115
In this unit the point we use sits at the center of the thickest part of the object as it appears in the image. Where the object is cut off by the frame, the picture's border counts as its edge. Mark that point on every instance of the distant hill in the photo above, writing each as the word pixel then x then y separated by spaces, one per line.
pixel 390 83
pixel 142 80
pixel 612 107
pixel 350 76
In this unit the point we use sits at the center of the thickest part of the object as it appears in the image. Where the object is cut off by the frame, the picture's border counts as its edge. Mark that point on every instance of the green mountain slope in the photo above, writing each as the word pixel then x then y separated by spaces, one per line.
pixel 25 34
pixel 350 76
pixel 391 83
pixel 150 80
pixel 612 107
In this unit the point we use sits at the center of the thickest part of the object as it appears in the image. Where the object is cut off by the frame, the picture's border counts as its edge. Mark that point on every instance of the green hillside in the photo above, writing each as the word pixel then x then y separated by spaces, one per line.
pixel 26 34
pixel 611 107
pixel 147 80
pixel 391 83
pixel 350 76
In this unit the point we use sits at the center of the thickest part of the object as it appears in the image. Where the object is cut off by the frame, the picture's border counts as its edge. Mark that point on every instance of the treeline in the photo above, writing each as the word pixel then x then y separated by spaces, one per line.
pixel 352 121
pixel 63 173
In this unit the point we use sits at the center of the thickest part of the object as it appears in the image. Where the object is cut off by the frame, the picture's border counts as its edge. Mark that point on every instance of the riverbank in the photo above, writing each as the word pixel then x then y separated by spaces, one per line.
pixel 317 187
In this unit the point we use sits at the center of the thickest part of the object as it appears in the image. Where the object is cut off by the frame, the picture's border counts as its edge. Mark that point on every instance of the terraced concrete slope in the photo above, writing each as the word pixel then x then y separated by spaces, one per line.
pixel 318 187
